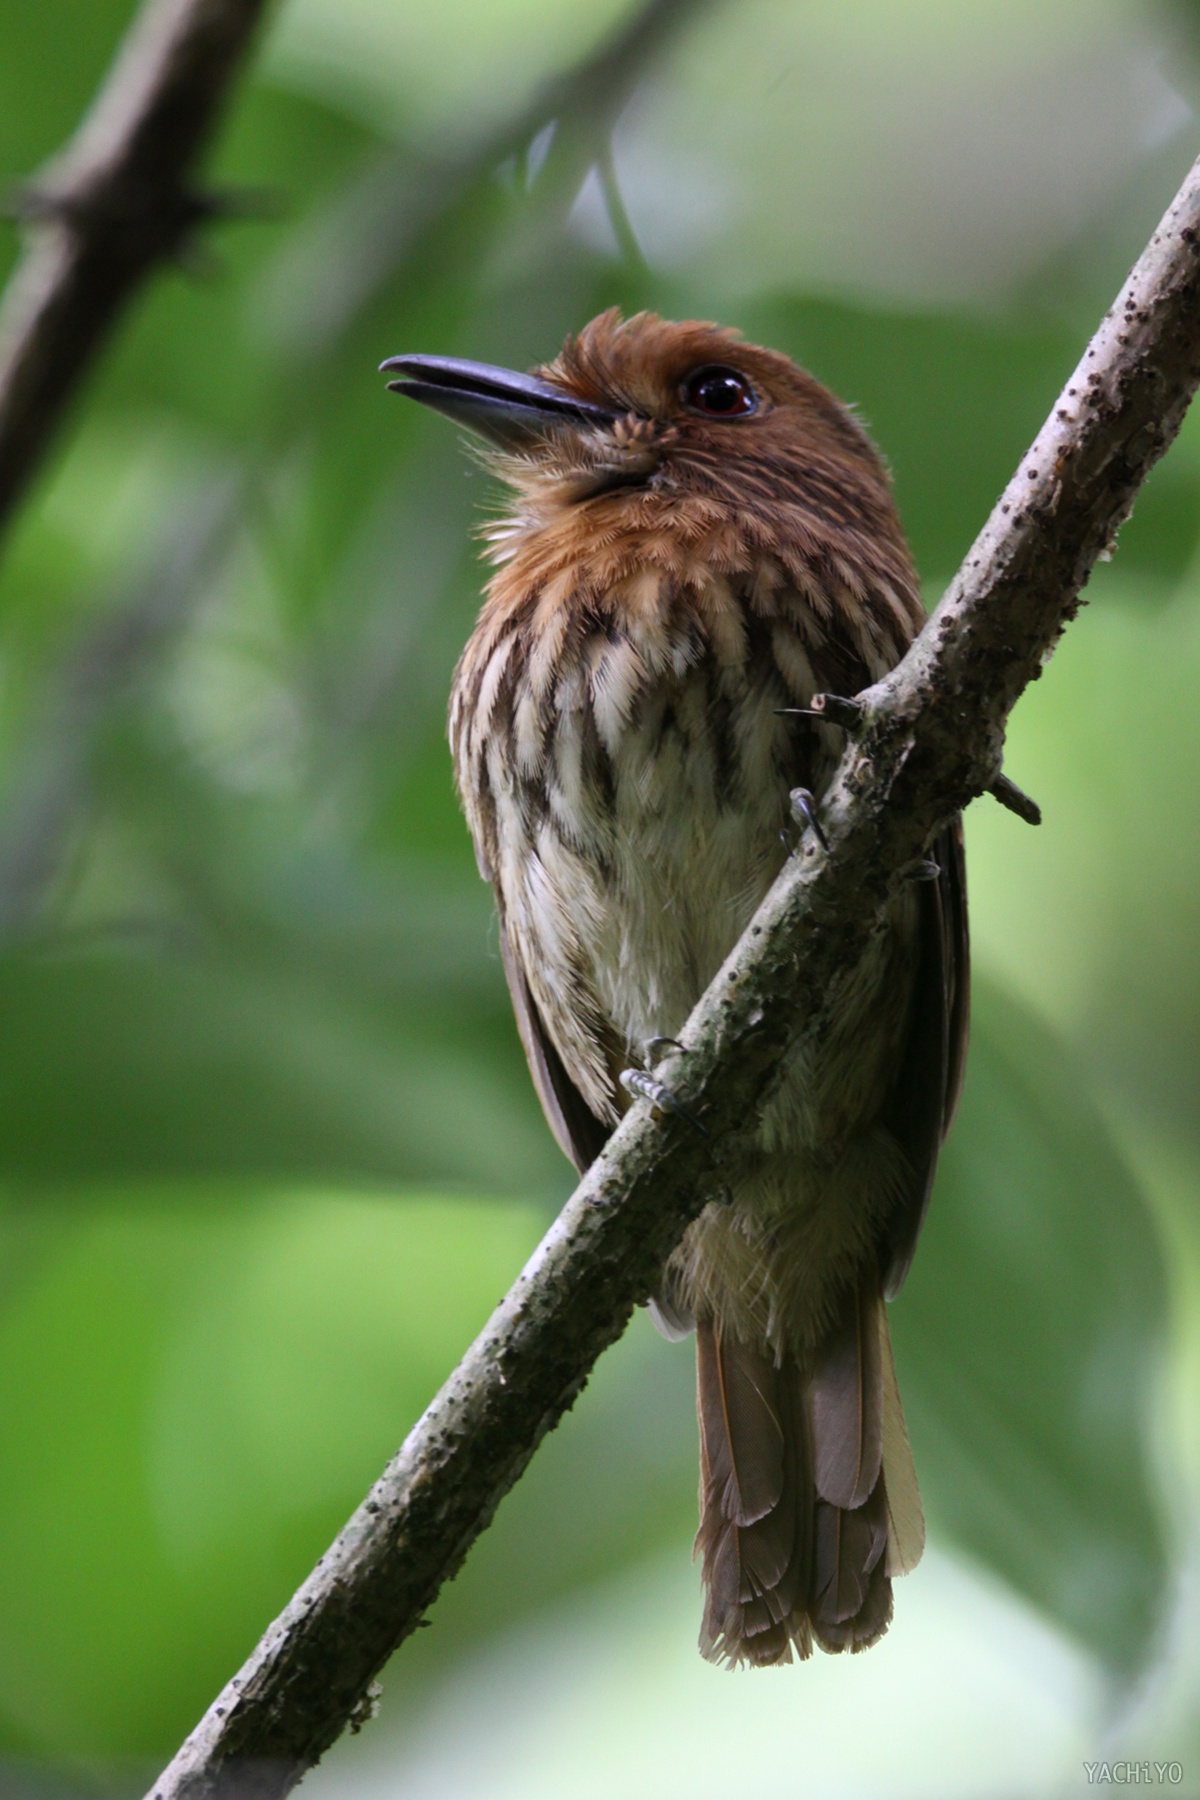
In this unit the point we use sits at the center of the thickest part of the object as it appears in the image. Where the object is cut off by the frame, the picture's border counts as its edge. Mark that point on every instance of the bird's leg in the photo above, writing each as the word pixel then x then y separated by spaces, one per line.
pixel 645 1085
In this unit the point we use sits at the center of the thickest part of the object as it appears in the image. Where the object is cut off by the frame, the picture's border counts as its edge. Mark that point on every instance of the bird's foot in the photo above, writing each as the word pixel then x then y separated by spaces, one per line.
pixel 804 811
pixel 644 1085
pixel 838 709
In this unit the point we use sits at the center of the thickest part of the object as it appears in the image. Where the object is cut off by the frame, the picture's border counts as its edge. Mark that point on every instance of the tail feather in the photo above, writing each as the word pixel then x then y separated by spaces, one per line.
pixel 846 1396
pixel 741 1431
pixel 752 1536
pixel 808 1497
pixel 868 1624
pixel 906 1515
pixel 849 1545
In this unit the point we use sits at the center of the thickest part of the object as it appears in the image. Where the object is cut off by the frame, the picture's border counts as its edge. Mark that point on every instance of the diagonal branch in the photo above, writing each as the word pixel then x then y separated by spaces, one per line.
pixel 929 740
pixel 393 215
pixel 118 201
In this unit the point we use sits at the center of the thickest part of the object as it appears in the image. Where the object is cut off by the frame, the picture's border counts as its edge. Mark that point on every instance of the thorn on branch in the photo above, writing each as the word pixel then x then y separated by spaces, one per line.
pixel 192 253
pixel 1016 800
pixel 253 203
pixel 165 218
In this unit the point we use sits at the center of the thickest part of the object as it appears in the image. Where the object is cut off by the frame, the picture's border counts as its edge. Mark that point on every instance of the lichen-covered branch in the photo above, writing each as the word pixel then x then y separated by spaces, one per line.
pixel 118 201
pixel 925 741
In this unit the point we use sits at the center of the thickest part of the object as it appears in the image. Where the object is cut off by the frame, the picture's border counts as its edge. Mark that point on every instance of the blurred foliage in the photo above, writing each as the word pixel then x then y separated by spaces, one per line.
pixel 270 1150
pixel 1052 1311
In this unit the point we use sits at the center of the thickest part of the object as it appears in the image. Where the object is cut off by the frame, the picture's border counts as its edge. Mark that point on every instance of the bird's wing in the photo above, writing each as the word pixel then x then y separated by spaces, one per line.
pixel 580 1134
pixel 926 1094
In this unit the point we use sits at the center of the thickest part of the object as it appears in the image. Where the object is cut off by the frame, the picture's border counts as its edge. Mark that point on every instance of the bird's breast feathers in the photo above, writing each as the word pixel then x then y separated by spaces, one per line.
pixel 625 767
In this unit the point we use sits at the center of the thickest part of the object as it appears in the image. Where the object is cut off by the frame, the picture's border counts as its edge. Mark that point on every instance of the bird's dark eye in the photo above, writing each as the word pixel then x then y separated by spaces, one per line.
pixel 720 392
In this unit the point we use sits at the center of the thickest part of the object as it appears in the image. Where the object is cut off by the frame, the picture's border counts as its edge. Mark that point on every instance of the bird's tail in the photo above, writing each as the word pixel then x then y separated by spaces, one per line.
pixel 808 1495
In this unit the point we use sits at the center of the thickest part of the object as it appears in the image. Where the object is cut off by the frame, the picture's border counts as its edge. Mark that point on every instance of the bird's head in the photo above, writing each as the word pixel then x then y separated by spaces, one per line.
pixel 638 417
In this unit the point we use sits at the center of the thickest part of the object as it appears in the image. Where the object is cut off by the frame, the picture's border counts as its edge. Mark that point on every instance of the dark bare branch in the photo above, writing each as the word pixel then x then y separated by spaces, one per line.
pixel 928 740
pixel 118 201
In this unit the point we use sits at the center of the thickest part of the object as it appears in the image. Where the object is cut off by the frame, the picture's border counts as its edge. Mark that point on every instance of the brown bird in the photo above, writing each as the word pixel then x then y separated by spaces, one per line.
pixel 701 537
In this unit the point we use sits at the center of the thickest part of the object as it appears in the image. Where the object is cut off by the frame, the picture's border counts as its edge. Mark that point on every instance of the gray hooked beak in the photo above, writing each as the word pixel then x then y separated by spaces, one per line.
pixel 510 409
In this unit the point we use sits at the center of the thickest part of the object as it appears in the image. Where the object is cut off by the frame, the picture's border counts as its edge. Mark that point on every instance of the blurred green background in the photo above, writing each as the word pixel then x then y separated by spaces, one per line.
pixel 270 1153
